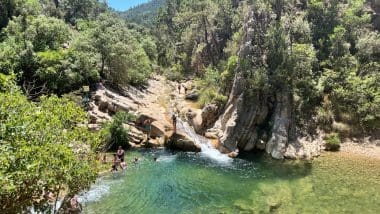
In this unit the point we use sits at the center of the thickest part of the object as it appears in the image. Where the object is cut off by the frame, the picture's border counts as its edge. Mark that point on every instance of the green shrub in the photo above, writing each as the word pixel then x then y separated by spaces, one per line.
pixel 324 118
pixel 117 135
pixel 212 96
pixel 44 147
pixel 332 142
pixel 175 73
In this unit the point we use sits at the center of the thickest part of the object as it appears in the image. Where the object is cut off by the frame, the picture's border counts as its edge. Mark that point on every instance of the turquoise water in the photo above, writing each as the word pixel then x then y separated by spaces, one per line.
pixel 190 183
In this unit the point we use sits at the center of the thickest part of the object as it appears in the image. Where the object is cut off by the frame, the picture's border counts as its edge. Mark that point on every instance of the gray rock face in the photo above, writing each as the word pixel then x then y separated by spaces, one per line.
pixel 209 115
pixel 375 4
pixel 280 132
pixel 260 120
pixel 193 96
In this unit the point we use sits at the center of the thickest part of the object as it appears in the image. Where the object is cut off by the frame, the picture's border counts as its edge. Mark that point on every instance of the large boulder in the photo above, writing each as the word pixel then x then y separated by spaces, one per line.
pixel 194 117
pixel 209 115
pixel 192 96
pixel 180 141
pixel 155 143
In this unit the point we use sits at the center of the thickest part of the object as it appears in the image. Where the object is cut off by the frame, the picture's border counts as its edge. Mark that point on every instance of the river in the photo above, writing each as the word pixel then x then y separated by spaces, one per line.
pixel 253 183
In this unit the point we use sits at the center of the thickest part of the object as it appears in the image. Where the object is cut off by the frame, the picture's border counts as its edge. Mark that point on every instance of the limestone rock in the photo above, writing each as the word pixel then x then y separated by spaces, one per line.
pixel 180 141
pixel 209 115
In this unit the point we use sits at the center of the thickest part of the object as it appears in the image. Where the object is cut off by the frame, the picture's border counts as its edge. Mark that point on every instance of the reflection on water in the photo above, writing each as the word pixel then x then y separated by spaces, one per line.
pixel 191 183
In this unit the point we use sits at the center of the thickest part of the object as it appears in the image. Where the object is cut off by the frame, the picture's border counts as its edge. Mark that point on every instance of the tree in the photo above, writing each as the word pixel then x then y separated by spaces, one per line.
pixel 123 59
pixel 43 149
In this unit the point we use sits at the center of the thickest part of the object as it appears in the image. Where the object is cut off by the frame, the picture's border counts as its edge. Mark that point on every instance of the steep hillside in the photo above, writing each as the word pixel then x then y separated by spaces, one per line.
pixel 283 73
pixel 144 14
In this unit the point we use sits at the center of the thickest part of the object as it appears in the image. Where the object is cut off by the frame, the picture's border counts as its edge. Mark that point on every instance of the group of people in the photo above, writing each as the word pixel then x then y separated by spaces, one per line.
pixel 119 162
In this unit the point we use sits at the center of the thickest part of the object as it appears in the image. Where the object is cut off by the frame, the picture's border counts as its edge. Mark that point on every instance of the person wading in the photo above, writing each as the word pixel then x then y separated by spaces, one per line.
pixel 115 163
pixel 120 154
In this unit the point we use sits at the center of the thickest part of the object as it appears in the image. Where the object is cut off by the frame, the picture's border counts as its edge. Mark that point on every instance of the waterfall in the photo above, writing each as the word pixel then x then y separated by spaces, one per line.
pixel 207 150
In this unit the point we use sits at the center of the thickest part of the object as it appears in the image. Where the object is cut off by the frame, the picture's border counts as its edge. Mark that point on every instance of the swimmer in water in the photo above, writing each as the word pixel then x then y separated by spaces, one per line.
pixel 136 160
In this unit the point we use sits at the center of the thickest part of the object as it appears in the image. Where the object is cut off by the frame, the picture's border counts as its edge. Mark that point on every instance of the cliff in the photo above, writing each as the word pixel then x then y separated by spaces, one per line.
pixel 261 118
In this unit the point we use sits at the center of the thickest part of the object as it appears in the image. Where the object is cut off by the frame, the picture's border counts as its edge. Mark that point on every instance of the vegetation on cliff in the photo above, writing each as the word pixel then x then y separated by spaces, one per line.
pixel 47 49
pixel 292 66
pixel 325 53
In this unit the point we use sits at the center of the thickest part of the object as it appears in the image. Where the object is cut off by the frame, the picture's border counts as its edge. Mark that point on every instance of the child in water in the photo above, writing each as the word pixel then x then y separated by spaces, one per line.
pixel 115 163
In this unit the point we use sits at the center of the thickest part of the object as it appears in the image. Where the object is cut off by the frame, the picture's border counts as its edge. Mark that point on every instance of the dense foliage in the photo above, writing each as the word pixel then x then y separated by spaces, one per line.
pixel 49 48
pixel 117 135
pixel 70 44
pixel 332 142
pixel 326 53
pixel 144 14
pixel 43 150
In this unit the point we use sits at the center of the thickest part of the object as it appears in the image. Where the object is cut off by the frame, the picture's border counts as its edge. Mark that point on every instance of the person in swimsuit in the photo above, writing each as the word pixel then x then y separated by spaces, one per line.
pixel 120 154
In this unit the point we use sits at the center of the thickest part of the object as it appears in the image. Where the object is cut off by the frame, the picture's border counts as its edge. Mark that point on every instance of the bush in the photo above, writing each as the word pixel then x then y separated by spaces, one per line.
pixel 175 73
pixel 209 88
pixel 332 142
pixel 43 149
pixel 324 118
pixel 117 135
pixel 212 96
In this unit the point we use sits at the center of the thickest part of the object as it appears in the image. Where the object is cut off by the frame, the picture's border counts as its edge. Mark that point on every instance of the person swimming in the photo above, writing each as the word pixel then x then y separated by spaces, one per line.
pixel 135 160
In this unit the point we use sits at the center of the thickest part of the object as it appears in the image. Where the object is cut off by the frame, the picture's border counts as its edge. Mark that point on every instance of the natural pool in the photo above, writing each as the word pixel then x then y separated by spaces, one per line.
pixel 191 183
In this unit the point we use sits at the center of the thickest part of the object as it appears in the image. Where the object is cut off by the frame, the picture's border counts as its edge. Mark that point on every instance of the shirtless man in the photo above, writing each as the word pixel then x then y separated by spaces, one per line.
pixel 120 154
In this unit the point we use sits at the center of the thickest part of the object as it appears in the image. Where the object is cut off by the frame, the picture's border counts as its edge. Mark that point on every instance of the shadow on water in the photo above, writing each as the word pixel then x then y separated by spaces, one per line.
pixel 280 169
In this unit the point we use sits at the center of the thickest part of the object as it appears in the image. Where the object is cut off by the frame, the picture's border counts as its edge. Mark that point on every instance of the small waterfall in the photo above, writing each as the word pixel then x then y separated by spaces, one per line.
pixel 207 150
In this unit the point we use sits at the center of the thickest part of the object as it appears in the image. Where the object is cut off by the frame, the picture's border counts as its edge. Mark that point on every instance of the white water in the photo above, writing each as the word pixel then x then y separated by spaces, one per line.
pixel 207 150
pixel 97 191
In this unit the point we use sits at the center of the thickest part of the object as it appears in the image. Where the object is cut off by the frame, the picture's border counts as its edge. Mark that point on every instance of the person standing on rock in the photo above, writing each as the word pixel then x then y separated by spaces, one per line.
pixel 174 119
pixel 148 127
pixel 179 88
